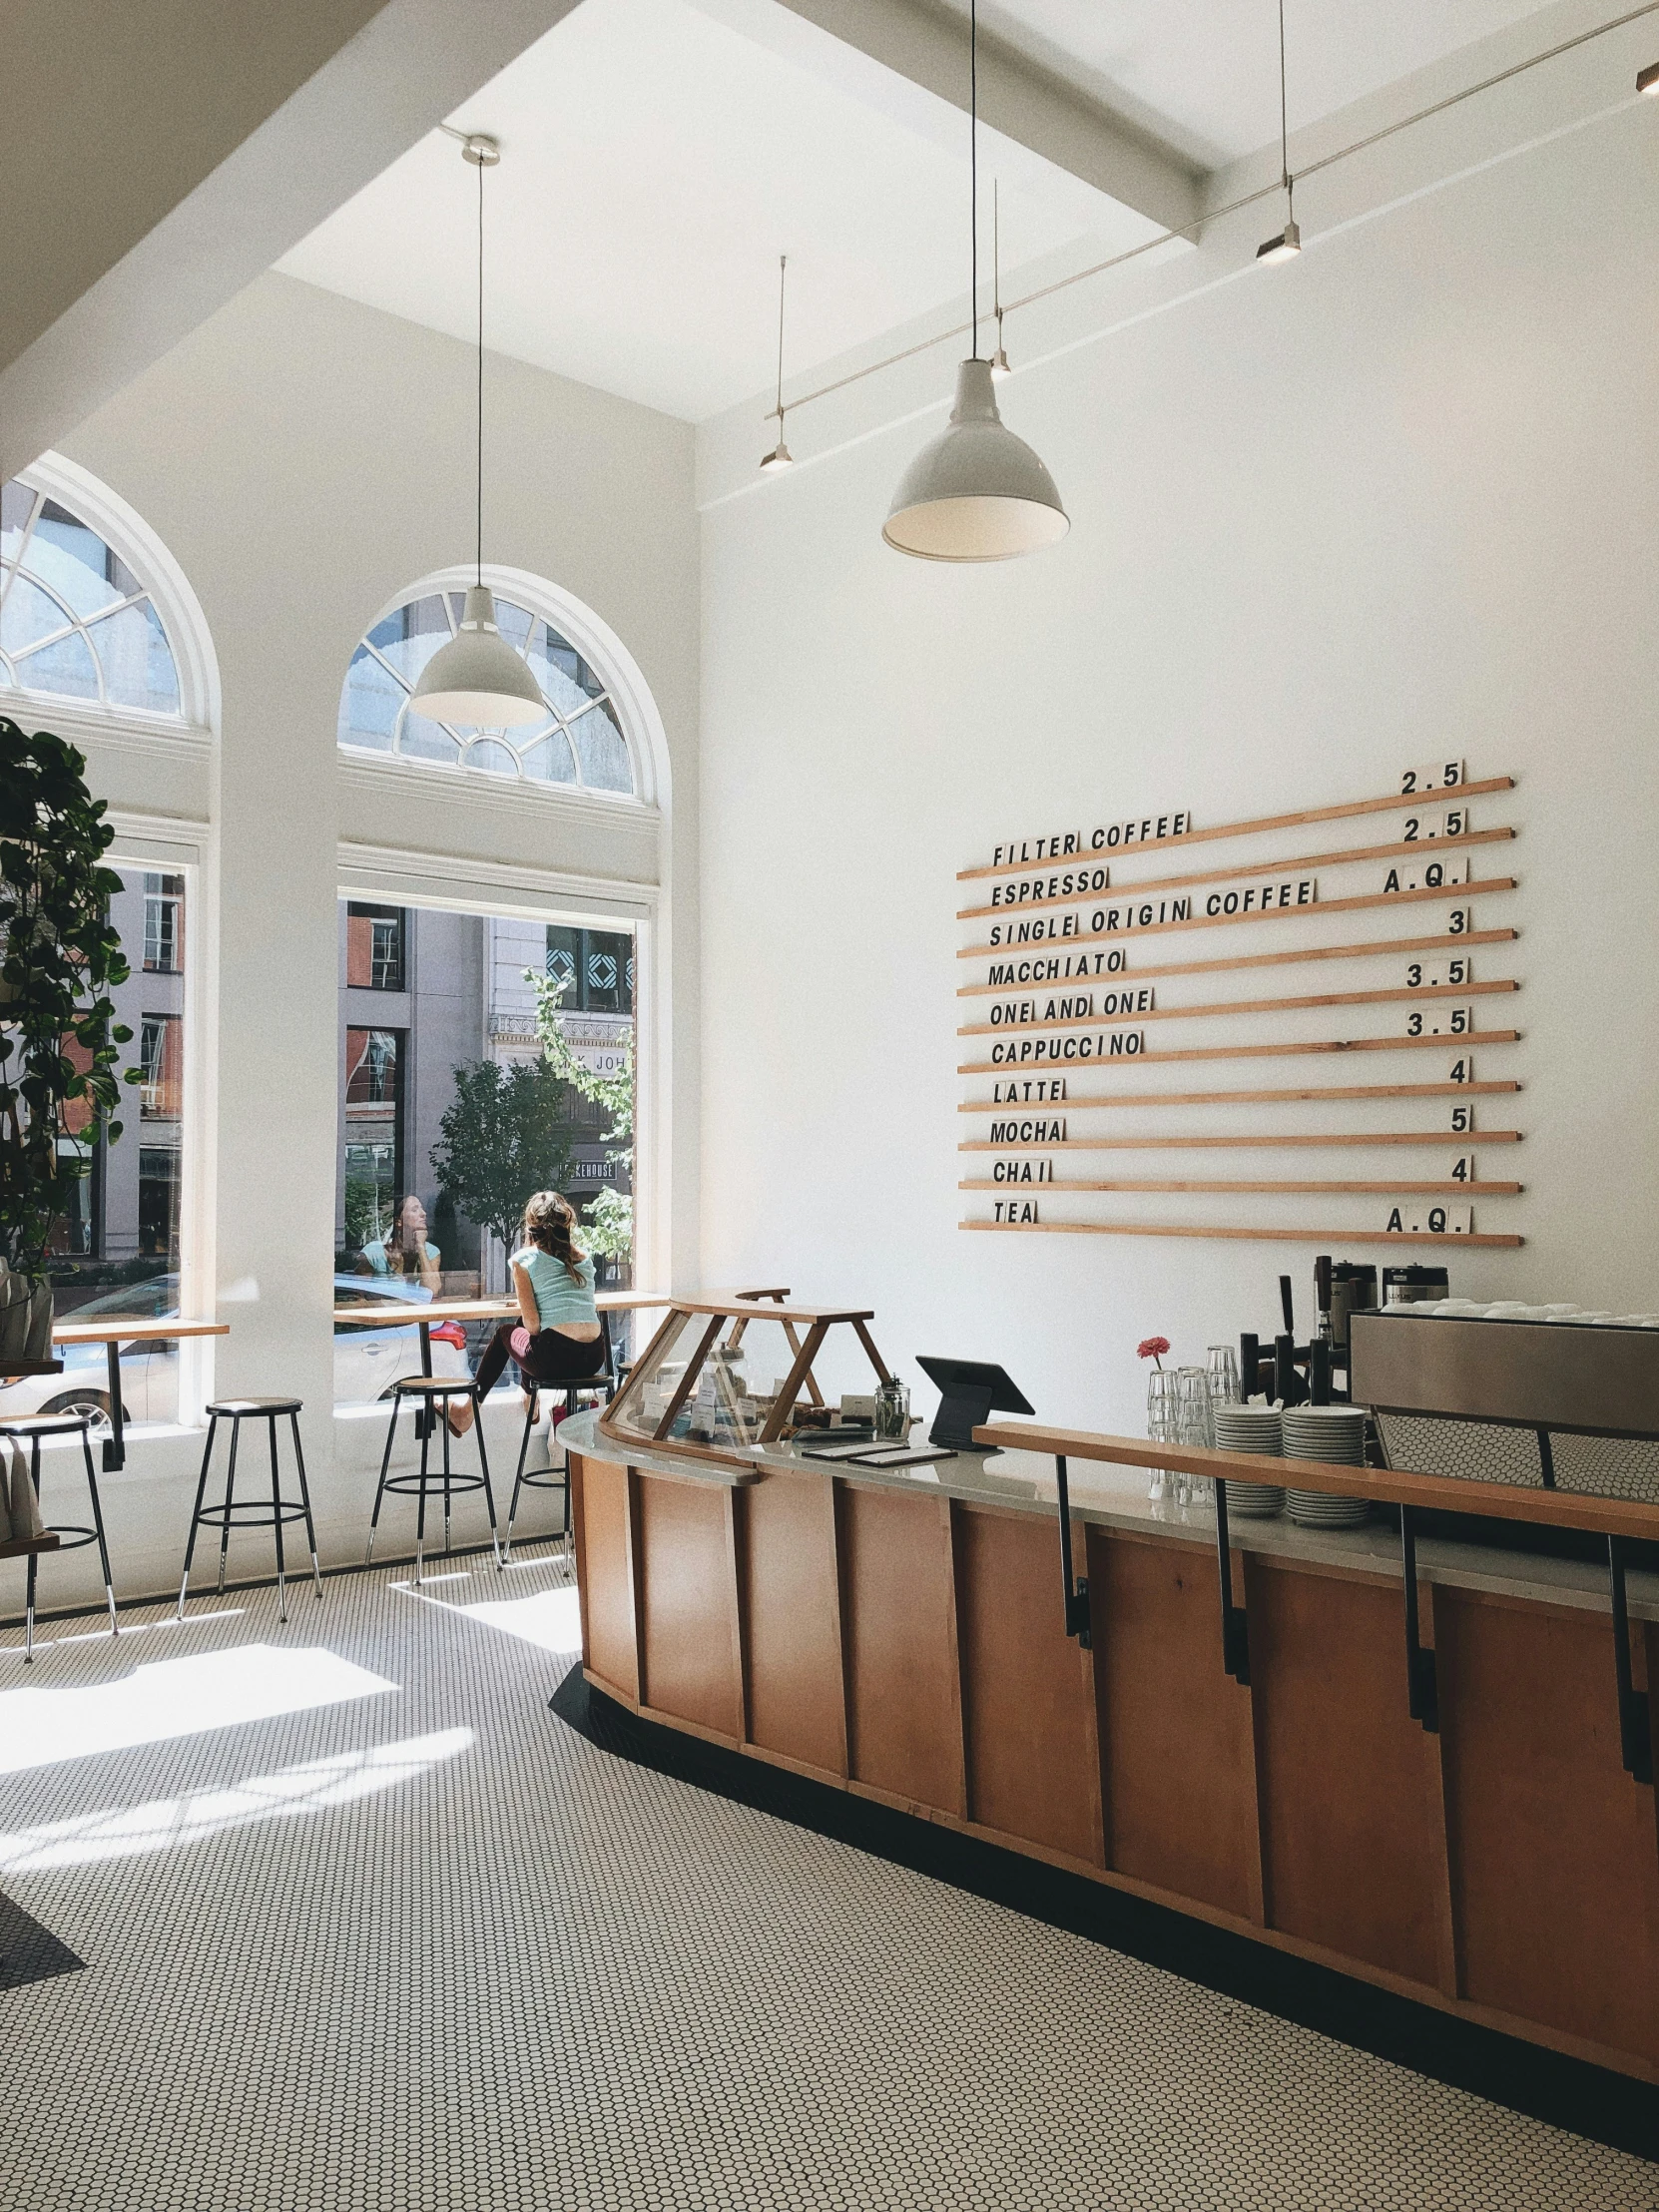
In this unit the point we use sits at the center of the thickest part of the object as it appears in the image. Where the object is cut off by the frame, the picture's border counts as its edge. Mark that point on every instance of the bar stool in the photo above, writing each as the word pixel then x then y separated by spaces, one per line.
pixel 551 1478
pixel 253 1513
pixel 32 1429
pixel 430 1396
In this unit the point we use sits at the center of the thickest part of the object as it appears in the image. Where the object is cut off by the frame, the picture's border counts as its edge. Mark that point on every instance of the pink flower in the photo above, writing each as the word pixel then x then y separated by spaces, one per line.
pixel 1153 1347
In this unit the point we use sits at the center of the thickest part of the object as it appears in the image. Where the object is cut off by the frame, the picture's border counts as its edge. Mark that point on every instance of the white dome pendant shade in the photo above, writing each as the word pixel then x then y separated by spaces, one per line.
pixel 477 677
pixel 477 680
pixel 978 493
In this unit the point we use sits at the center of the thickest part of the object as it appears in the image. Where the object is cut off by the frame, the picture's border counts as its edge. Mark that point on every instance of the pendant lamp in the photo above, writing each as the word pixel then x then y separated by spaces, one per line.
pixel 478 679
pixel 978 493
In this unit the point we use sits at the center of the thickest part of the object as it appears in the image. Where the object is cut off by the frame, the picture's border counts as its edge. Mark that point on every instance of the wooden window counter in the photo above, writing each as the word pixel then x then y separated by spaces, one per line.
pixel 904 1635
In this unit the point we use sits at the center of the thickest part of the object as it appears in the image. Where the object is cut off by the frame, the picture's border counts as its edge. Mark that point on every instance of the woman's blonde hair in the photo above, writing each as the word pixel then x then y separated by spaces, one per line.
pixel 550 1225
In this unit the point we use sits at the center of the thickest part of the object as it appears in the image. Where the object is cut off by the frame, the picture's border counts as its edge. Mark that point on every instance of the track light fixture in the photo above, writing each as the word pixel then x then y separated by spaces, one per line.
pixel 1647 80
pixel 1287 244
pixel 779 458
pixel 1001 366
pixel 978 492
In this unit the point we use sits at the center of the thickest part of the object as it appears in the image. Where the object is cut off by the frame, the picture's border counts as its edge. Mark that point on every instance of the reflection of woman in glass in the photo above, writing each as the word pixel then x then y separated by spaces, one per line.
pixel 558 1338
pixel 403 1249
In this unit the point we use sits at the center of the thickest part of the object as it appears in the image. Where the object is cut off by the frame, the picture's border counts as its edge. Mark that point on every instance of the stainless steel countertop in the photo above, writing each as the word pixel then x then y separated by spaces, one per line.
pixel 1115 1497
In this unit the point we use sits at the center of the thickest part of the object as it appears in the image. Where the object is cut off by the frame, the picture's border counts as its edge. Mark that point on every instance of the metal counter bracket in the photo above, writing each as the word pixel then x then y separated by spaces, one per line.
pixel 1235 1623
pixel 1422 1688
pixel 1077 1592
pixel 1635 1723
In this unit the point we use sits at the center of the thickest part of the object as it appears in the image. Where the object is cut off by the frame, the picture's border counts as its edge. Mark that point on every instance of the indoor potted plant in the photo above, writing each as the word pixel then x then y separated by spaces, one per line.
pixel 59 1039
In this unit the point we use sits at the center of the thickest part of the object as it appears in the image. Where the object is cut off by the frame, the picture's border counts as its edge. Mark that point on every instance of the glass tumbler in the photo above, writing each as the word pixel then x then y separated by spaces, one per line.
pixel 1197 1427
pixel 1163 1426
pixel 1225 1386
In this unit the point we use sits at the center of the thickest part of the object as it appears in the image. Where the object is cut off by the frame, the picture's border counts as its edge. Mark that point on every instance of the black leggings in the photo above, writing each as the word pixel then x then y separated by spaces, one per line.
pixel 548 1357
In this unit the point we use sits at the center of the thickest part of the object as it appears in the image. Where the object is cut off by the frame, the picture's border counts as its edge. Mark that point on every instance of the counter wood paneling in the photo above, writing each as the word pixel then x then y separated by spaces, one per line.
pixel 904 1638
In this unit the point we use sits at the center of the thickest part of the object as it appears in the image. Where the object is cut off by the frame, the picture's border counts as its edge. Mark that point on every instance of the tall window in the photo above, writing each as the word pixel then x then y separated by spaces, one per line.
pixel 75 622
pixel 450 1115
pixel 578 743
pixel 596 967
pixel 161 1056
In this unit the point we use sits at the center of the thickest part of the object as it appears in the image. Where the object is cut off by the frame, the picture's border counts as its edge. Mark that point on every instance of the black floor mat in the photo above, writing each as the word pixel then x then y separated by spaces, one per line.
pixel 28 1952
pixel 1565 2092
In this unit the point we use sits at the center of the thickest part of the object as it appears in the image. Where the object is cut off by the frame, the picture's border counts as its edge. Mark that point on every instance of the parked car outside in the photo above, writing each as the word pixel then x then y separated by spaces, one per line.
pixel 367 1361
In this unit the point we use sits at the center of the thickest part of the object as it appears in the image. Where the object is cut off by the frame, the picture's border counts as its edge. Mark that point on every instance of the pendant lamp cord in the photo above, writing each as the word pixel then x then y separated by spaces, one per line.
pixel 973 151
pixel 481 517
pixel 1283 125
pixel 782 264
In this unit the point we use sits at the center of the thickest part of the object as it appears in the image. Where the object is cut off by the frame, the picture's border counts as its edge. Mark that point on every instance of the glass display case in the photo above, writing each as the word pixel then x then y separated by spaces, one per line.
pixel 722 1376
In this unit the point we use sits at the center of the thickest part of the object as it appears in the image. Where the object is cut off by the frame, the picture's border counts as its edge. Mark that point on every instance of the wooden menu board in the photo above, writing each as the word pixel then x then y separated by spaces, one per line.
pixel 1074 1035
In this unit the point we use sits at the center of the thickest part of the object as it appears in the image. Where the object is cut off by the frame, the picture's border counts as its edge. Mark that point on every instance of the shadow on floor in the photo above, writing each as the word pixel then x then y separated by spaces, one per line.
pixel 28 1952
pixel 1565 2092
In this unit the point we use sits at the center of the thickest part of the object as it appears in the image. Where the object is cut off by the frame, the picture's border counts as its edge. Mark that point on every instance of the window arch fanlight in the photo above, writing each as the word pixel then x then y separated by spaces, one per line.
pixel 77 621
pixel 580 744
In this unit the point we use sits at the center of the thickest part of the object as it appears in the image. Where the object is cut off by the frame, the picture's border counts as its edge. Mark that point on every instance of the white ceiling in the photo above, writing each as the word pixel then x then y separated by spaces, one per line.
pixel 654 163
pixel 659 154
pixel 1203 75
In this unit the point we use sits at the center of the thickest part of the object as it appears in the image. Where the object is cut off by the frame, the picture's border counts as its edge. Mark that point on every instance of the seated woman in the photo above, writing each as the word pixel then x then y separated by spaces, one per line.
pixel 403 1249
pixel 559 1337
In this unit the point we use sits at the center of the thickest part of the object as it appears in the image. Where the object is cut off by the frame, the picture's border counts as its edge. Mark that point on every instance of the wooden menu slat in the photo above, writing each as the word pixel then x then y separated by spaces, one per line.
pixel 1405 995
pixel 1289 956
pixel 1396 802
pixel 1236 1236
pixel 1468 1138
pixel 1327 1188
pixel 1450 892
pixel 1314 1092
pixel 1292 862
pixel 1471 1041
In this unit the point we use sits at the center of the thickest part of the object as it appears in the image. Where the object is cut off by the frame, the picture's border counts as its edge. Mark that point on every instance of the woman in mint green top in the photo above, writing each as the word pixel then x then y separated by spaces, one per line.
pixel 558 1338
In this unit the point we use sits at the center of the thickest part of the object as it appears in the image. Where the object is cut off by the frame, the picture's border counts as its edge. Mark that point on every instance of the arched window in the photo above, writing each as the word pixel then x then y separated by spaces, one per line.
pixel 75 622
pixel 580 744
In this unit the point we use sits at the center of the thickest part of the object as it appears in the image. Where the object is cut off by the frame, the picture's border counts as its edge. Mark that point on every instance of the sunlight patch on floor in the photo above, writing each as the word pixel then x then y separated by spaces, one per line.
pixel 166 1824
pixel 173 1696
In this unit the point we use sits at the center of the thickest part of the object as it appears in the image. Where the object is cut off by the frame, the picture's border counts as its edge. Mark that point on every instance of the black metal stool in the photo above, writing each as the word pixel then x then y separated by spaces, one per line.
pixel 253 1513
pixel 430 1396
pixel 551 1478
pixel 33 1428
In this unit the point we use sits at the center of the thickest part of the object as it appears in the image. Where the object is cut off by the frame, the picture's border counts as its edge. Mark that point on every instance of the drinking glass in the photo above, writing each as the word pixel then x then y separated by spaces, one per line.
pixel 1224 1387
pixel 1163 1425
pixel 1196 1418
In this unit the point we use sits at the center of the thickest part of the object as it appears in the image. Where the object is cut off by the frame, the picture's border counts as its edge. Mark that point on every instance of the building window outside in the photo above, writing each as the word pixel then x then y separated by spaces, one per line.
pixel 75 622
pixel 579 743
pixel 372 1163
pixel 596 968
pixel 374 948
pixel 164 924
pixel 158 1201
pixel 161 1056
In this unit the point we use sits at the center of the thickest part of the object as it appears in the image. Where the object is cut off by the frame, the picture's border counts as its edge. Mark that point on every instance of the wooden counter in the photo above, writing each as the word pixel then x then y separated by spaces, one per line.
pixel 903 1636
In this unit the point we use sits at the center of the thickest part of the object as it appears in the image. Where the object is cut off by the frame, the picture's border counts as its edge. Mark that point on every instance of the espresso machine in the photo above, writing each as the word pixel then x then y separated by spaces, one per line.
pixel 1314 1372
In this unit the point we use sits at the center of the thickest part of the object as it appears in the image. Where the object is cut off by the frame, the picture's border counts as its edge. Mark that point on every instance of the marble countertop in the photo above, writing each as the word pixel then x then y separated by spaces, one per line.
pixel 1116 1497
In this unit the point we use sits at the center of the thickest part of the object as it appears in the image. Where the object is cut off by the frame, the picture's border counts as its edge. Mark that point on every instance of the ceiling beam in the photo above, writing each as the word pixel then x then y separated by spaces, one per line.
pixel 158 160
pixel 928 45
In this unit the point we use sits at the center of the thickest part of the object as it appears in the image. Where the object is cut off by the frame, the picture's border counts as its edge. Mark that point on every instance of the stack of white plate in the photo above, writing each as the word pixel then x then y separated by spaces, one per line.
pixel 1251 1429
pixel 1336 1433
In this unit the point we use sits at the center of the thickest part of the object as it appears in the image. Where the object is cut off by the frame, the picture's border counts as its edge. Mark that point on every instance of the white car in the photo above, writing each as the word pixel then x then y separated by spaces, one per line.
pixel 367 1361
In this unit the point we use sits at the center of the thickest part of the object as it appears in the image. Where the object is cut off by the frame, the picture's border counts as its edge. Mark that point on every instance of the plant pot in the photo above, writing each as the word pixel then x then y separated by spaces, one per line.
pixel 25 1320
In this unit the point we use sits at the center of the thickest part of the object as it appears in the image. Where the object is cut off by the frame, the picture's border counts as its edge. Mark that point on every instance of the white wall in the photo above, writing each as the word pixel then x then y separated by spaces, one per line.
pixel 1394 500
pixel 304 459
